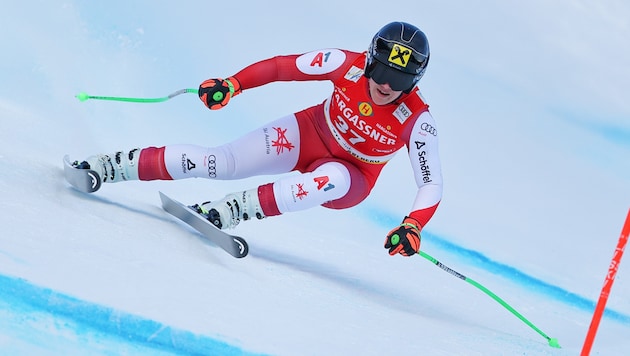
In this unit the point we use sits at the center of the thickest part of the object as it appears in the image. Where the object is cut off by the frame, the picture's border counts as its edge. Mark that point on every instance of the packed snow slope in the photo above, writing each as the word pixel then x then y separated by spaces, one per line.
pixel 531 104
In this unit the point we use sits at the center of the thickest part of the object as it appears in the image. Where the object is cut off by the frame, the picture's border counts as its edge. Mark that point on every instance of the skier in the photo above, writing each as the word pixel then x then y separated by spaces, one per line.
pixel 339 146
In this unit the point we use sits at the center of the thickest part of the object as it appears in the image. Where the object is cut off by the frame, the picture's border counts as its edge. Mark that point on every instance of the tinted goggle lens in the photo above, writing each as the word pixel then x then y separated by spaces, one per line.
pixel 397 80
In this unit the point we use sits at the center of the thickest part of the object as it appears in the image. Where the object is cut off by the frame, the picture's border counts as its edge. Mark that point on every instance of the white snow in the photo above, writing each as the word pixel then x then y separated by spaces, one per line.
pixel 531 104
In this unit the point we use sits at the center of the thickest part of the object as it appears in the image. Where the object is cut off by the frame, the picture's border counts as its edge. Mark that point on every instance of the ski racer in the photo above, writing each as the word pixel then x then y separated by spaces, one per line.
pixel 338 146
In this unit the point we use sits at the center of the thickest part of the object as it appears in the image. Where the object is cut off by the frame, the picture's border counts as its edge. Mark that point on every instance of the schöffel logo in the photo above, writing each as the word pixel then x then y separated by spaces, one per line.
pixel 428 128
pixel 187 164
pixel 424 164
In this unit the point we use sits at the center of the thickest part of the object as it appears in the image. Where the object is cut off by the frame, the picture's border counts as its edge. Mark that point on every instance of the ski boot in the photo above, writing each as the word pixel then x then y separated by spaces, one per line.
pixel 116 167
pixel 229 211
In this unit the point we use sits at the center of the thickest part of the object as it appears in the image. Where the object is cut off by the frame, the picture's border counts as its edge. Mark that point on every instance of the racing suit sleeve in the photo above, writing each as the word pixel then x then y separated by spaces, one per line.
pixel 285 68
pixel 425 161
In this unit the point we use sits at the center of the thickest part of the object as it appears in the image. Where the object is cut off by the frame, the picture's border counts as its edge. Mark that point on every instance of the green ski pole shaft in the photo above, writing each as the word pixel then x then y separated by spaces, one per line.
pixel 552 341
pixel 84 96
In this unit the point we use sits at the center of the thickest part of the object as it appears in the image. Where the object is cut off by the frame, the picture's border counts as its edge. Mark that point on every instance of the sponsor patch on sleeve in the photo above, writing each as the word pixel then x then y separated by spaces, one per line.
pixel 354 74
pixel 402 112
pixel 321 61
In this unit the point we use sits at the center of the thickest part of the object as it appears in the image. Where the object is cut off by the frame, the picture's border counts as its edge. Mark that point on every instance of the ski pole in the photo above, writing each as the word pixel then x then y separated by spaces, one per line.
pixel 83 96
pixel 553 342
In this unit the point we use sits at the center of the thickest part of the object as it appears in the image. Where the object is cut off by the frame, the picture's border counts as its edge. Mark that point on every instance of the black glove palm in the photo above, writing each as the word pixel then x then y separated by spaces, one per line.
pixel 216 93
pixel 405 239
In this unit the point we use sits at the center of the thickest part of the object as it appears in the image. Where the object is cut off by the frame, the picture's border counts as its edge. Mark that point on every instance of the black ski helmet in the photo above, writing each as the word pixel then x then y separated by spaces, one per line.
pixel 398 55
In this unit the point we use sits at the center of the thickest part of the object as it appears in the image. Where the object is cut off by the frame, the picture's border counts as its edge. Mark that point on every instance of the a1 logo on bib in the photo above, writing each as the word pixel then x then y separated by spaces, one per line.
pixel 399 55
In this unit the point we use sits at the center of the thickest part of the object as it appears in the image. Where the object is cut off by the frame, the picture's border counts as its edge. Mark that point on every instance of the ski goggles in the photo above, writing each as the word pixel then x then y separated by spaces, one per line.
pixel 397 80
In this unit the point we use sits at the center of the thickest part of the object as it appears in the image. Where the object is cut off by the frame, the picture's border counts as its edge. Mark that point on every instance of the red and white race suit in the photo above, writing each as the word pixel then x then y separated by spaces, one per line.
pixel 339 146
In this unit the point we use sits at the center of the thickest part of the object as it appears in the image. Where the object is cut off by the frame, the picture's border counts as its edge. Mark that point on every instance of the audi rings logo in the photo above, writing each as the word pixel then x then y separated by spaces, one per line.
pixel 212 166
pixel 428 128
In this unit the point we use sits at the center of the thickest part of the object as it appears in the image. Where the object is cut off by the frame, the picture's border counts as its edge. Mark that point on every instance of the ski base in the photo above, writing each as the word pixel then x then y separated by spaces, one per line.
pixel 85 180
pixel 234 245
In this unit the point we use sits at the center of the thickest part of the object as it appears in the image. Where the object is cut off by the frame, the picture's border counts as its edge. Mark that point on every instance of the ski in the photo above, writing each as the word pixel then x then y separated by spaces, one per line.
pixel 85 180
pixel 234 245
pixel 88 181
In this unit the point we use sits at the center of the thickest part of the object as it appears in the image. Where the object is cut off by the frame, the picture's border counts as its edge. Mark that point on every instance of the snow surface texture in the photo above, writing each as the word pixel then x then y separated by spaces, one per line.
pixel 531 104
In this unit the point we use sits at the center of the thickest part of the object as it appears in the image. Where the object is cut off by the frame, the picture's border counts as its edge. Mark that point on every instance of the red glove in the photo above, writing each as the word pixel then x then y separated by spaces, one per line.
pixel 216 93
pixel 405 239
